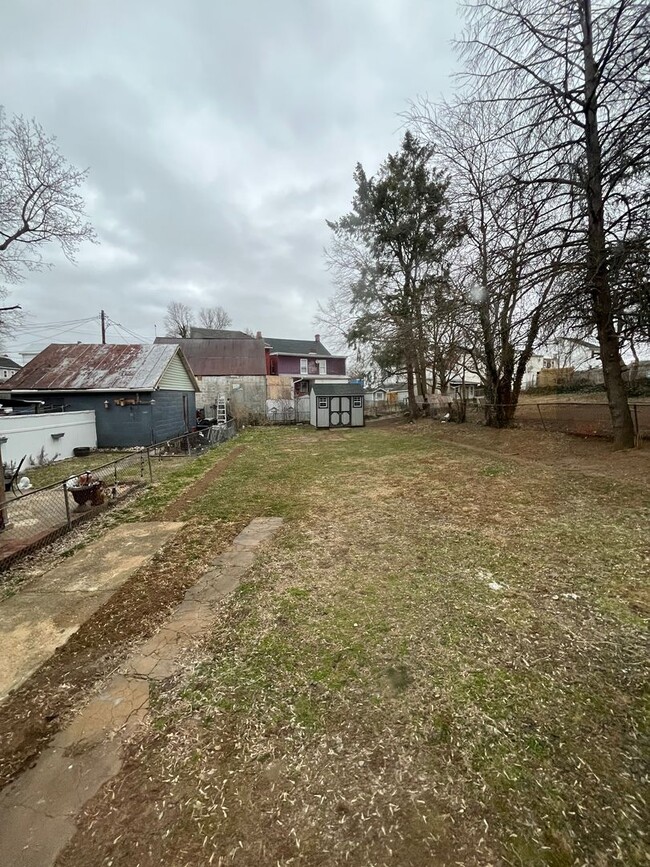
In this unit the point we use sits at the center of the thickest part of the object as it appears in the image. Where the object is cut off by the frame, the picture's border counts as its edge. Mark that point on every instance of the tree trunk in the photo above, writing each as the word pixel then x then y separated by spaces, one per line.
pixel 414 409
pixel 597 270
pixel 421 377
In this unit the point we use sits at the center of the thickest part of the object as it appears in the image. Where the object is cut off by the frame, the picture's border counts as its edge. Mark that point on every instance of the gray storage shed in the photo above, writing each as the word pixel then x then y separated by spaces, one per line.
pixel 336 405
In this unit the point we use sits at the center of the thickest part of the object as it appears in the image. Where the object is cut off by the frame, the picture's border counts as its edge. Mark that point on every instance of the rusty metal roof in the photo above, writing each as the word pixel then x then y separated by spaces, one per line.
pixel 94 366
pixel 220 356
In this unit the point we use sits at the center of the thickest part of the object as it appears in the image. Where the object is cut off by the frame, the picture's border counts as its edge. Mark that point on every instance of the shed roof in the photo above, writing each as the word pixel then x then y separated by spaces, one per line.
pixel 96 367
pixel 5 361
pixel 222 357
pixel 295 347
pixel 218 333
pixel 343 389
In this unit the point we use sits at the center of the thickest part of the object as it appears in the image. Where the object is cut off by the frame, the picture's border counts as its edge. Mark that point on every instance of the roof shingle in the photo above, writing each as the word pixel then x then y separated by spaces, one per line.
pixel 7 363
pixel 295 347
pixel 342 389
pixel 217 333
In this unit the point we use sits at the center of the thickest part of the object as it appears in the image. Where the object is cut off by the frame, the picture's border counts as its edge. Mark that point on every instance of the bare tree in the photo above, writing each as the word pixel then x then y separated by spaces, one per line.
pixel 575 75
pixel 509 266
pixel 10 316
pixel 179 319
pixel 214 317
pixel 39 199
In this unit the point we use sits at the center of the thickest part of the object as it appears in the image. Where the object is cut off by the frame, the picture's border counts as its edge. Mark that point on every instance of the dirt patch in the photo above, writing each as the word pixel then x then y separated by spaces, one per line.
pixel 32 714
pixel 179 506
pixel 591 456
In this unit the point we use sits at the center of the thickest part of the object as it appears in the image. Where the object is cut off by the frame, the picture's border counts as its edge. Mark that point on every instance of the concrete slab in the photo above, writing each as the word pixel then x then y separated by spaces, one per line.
pixel 48 610
pixel 38 810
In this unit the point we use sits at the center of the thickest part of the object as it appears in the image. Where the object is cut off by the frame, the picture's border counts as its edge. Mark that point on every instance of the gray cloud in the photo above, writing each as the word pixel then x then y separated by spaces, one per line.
pixel 219 137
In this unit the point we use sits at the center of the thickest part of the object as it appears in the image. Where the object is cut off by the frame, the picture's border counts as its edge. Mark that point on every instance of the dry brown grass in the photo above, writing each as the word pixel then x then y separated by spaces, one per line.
pixel 442 659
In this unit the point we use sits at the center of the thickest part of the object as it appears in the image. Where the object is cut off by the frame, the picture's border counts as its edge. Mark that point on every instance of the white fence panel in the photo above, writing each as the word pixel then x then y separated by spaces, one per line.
pixel 52 435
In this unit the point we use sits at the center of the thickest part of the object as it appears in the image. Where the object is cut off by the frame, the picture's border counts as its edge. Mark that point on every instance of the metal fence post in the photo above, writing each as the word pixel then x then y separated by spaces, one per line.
pixel 149 462
pixel 636 426
pixel 539 410
pixel 66 496
pixel 187 438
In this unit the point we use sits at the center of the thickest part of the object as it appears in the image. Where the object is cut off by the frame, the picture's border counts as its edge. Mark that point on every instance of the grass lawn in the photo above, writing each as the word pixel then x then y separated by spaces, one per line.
pixel 40 477
pixel 441 659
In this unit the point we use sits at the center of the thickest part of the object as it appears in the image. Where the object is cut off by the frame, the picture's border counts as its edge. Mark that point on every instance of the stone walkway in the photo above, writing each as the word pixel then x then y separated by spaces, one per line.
pixel 50 608
pixel 38 810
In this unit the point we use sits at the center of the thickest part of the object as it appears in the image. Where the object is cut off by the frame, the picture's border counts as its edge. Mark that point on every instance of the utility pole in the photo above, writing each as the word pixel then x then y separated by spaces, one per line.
pixel 3 498
pixel 103 318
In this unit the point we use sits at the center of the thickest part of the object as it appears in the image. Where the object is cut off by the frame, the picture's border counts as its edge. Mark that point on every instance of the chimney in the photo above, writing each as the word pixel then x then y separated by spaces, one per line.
pixel 317 338
pixel 259 335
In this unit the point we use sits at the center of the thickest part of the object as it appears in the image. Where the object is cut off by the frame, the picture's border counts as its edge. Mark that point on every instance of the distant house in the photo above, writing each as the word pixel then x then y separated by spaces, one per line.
pixel 230 367
pixel 7 367
pixel 375 396
pixel 563 357
pixel 259 377
pixel 464 384
pixel 140 393
pixel 302 362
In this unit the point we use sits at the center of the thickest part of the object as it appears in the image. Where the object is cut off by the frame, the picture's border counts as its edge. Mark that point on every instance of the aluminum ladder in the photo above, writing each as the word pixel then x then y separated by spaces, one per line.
pixel 222 415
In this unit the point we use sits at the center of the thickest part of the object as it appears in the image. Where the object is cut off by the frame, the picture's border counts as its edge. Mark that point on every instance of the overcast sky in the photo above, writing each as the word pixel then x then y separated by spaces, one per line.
pixel 220 136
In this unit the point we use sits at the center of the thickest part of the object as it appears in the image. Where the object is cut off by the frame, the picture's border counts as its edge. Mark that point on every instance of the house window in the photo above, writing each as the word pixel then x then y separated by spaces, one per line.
pixel 357 402
pixel 304 366
pixel 322 403
pixel 322 367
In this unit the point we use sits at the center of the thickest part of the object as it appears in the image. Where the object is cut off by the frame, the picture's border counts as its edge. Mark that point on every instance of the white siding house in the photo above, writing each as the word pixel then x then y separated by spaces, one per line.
pixel 7 368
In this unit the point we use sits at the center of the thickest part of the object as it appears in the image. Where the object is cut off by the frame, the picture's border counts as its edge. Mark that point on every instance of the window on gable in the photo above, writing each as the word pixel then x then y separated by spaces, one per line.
pixel 357 402
pixel 304 366
pixel 322 403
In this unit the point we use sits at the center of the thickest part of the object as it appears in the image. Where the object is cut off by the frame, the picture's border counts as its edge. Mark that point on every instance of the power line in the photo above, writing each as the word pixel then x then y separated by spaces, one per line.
pixel 47 325
pixel 128 331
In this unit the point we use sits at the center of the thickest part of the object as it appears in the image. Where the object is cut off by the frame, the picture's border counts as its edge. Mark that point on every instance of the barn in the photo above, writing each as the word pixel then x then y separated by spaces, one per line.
pixel 336 405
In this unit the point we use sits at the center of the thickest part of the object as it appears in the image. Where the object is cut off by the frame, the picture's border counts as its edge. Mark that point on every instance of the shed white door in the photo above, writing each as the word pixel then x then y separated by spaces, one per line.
pixel 340 414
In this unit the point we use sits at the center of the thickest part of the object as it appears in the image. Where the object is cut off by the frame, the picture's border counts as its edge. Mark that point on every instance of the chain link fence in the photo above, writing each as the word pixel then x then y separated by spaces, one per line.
pixel 31 519
pixel 587 419
pixel 581 419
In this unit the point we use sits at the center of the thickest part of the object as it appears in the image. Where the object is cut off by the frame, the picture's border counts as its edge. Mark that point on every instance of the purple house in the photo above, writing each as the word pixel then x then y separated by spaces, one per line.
pixel 304 360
